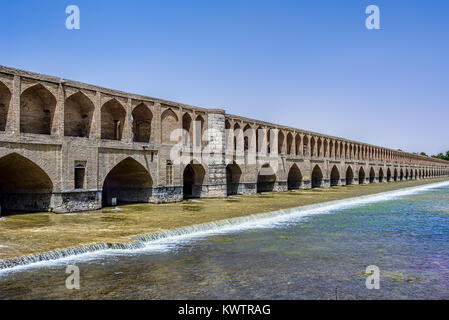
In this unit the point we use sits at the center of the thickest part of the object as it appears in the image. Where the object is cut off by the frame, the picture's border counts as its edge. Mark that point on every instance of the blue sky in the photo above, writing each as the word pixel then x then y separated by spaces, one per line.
pixel 306 64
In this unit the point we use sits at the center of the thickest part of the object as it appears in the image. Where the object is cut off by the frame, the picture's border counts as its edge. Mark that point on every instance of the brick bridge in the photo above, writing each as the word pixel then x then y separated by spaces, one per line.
pixel 68 146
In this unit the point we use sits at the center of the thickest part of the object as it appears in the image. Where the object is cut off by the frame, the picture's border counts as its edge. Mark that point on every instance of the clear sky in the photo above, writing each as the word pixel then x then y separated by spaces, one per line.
pixel 307 64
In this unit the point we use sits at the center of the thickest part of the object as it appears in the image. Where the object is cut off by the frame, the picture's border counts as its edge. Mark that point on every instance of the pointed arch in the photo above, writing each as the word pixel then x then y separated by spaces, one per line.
pixel 37 110
pixel 113 116
pixel 335 177
pixel 388 175
pixel 290 149
pixel 372 175
pixel 306 147
pixel 317 177
pixel 169 123
pixel 187 130
pixel 193 179
pixel 381 175
pixel 5 100
pixel 298 147
pixel 349 176
pixel 362 176
pixel 127 182
pixel 78 114
pixel 142 118
pixel 266 179
pixel 294 180
pixel 24 186
pixel 395 175
pixel 247 137
pixel 200 128
pixel 281 138
pixel 233 176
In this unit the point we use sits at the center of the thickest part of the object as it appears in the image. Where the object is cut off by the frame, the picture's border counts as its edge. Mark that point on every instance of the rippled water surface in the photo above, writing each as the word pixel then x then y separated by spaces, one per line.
pixel 308 257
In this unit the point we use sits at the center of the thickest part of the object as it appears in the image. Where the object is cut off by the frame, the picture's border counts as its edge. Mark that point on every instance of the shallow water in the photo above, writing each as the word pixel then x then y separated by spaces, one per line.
pixel 307 257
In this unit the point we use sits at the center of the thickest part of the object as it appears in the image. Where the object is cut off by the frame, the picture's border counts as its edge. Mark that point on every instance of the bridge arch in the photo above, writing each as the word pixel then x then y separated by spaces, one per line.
pixel 5 100
pixel 127 182
pixel 24 186
pixel 362 176
pixel 317 177
pixel 233 176
pixel 78 114
pixel 388 175
pixel 266 179
pixel 349 176
pixel 37 110
pixel 395 175
pixel 335 177
pixel 294 180
pixel 193 179
pixel 381 175
pixel 372 175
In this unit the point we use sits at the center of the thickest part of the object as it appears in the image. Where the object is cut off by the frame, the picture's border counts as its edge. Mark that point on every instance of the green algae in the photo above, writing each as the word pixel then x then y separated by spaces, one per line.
pixel 395 276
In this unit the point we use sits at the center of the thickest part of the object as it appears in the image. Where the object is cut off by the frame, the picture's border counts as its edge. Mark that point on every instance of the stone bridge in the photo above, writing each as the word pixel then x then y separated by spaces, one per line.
pixel 68 146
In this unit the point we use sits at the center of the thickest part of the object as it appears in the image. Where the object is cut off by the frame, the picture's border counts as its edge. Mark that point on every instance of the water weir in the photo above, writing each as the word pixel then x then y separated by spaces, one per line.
pixel 166 240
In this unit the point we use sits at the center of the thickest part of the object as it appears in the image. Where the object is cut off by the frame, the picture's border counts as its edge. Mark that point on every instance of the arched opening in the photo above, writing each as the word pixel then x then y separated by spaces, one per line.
pixel 269 132
pixel 193 179
pixel 388 175
pixel 142 118
pixel 290 149
pixel 200 127
pixel 395 176
pixel 372 175
pixel 294 180
pixel 381 175
pixel 349 176
pixel 127 182
pixel 317 177
pixel 259 139
pixel 37 110
pixel 416 174
pixel 247 135
pixel 306 147
pixel 361 176
pixel 335 177
pixel 233 175
pixel 298 148
pixel 312 147
pixel 5 100
pixel 187 130
pixel 169 123
pixel 78 114
pixel 280 142
pixel 24 186
pixel 112 120
pixel 406 174
pixel 401 175
pixel 266 179
pixel 237 137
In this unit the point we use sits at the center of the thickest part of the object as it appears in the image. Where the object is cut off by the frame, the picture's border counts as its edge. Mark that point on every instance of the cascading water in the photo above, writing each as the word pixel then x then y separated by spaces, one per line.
pixel 168 239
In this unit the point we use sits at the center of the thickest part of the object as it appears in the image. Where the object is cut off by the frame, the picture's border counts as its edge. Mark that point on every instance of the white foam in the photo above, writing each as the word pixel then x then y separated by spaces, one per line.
pixel 169 240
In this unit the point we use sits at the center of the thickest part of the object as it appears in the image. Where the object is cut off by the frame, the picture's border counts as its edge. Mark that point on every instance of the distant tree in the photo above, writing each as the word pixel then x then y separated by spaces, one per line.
pixel 439 156
pixel 423 154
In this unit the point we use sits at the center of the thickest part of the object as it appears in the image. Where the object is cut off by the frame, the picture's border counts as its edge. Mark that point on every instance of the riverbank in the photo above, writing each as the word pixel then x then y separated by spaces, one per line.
pixel 22 235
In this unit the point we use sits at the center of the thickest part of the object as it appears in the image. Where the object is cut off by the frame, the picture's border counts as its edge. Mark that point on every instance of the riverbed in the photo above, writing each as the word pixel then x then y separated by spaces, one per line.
pixel 314 252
